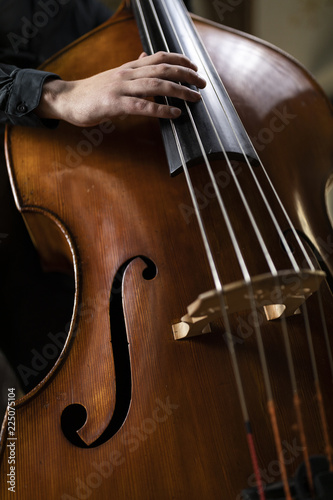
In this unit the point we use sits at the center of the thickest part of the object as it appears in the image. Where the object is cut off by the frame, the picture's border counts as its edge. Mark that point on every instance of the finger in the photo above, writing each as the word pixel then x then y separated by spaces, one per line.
pixel 143 107
pixel 152 87
pixel 143 54
pixel 165 57
pixel 169 72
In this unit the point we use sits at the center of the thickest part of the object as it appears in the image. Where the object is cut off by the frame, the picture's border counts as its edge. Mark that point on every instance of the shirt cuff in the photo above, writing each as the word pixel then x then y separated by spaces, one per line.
pixel 25 96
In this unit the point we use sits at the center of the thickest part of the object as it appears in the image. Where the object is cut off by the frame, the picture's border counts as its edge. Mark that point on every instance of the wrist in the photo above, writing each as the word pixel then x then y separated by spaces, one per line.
pixel 50 106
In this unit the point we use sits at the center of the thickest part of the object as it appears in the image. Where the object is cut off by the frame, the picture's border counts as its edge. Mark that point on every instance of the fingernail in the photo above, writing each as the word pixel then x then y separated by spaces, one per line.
pixel 202 79
pixel 175 112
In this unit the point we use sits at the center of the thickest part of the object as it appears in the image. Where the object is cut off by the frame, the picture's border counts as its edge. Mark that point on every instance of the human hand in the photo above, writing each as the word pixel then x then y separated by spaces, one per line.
pixel 122 91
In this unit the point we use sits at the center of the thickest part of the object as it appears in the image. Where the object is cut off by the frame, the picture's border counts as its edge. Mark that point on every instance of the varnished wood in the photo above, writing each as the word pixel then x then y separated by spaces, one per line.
pixel 183 436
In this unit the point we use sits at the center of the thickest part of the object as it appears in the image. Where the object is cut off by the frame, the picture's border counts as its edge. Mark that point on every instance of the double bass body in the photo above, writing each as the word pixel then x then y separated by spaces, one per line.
pixel 155 417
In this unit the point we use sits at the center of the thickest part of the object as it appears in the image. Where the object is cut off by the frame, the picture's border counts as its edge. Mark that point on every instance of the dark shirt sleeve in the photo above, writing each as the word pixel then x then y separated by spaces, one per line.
pixel 20 86
pixel 20 92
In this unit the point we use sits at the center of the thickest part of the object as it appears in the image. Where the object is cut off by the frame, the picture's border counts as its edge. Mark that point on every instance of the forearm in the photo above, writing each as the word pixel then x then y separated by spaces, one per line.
pixel 20 93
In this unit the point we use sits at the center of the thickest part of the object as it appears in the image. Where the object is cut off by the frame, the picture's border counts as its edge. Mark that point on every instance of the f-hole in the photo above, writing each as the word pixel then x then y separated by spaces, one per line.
pixel 74 416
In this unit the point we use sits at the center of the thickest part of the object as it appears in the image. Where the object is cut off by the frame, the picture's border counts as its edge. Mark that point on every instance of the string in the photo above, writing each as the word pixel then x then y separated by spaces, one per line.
pixel 276 224
pixel 270 402
pixel 297 404
pixel 246 275
pixel 328 447
pixel 259 338
pixel 209 253
pixel 262 244
pixel 320 401
pixel 218 286
pixel 269 209
pixel 296 400
pixel 217 281
pixel 328 346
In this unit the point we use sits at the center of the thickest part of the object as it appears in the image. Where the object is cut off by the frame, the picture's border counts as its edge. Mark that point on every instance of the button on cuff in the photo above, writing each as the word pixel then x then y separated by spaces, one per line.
pixel 21 108
pixel 25 96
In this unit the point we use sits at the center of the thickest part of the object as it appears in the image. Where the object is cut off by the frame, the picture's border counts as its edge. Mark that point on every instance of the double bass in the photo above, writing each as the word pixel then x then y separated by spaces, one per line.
pixel 198 364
